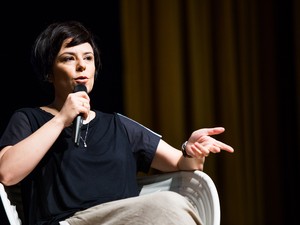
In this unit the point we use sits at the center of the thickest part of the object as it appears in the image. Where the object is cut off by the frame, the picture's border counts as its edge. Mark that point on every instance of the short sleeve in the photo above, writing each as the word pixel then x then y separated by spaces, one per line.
pixel 17 129
pixel 143 140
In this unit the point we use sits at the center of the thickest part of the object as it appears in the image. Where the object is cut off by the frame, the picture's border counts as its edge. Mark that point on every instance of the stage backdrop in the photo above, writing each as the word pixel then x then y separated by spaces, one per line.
pixel 190 64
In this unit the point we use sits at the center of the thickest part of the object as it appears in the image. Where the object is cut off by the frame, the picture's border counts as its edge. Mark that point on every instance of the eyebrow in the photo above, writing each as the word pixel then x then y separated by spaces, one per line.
pixel 72 53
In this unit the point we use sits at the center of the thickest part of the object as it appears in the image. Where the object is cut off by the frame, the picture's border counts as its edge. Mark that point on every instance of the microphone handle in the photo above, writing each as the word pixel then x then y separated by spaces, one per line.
pixel 78 120
pixel 77 129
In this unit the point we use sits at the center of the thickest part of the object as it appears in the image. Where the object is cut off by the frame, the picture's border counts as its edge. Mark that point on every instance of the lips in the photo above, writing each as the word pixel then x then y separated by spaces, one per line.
pixel 81 79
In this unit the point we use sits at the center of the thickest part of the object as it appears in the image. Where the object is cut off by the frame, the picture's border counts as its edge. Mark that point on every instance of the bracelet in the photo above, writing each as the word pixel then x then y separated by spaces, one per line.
pixel 185 155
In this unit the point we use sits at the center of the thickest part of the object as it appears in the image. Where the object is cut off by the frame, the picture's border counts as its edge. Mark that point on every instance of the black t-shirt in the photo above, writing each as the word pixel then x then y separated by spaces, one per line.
pixel 70 178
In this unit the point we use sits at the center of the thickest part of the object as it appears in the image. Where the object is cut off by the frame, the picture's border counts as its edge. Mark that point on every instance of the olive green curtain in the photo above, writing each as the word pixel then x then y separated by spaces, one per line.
pixel 190 64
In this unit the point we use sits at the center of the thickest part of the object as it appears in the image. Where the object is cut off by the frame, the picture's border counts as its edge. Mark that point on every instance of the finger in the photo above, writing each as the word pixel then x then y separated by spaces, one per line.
pixel 208 140
pixel 215 130
pixel 85 104
pixel 210 131
pixel 199 149
pixel 214 149
pixel 205 150
pixel 224 146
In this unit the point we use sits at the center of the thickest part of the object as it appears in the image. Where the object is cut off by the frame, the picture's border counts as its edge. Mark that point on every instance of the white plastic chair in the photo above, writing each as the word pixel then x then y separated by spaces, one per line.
pixel 10 210
pixel 196 186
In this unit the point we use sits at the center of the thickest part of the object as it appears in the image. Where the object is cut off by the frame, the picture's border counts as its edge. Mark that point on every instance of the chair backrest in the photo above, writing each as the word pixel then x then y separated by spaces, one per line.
pixel 10 210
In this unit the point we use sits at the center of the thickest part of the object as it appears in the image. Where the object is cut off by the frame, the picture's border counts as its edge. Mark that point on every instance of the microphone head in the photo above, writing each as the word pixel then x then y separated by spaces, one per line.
pixel 80 87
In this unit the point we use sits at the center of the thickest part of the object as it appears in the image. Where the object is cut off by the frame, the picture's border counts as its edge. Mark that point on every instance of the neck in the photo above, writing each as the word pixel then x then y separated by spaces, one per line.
pixel 54 108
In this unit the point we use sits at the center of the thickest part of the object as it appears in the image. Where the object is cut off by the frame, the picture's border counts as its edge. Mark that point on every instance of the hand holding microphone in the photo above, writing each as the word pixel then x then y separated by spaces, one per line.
pixel 77 124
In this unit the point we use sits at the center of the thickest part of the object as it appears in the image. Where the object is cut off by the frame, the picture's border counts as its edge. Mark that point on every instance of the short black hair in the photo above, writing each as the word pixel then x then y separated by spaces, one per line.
pixel 49 42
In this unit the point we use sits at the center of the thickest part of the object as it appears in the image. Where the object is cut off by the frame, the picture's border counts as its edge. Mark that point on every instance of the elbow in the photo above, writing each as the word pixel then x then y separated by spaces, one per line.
pixel 8 182
pixel 7 179
pixel 8 175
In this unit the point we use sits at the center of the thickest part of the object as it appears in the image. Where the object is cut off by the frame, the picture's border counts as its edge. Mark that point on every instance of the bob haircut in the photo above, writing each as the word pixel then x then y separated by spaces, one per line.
pixel 49 42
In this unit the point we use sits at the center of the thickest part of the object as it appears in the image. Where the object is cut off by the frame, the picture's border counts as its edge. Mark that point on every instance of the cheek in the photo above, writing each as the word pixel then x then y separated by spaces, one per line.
pixel 91 68
pixel 90 83
pixel 63 73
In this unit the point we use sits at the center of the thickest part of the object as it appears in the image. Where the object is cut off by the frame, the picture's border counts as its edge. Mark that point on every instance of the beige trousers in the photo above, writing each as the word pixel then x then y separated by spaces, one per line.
pixel 159 208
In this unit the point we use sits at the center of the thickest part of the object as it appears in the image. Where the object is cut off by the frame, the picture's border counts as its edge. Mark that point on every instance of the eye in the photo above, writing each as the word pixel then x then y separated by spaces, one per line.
pixel 89 58
pixel 68 58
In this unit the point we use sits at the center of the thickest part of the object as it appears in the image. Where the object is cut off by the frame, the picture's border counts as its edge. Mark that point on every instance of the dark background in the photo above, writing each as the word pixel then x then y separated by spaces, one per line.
pixel 20 87
pixel 22 22
pixel 20 25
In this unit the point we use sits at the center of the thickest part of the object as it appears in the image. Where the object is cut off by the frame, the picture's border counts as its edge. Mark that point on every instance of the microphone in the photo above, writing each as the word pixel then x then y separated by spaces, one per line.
pixel 77 123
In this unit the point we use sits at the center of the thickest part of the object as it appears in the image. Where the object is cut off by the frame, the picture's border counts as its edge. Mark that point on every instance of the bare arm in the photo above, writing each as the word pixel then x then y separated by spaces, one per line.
pixel 199 145
pixel 17 161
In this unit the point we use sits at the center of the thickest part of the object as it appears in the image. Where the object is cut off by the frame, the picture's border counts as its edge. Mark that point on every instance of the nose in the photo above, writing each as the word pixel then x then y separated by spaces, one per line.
pixel 81 65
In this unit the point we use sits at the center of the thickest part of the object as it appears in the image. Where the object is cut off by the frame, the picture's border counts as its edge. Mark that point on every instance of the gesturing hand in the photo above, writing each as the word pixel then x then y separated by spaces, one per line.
pixel 201 143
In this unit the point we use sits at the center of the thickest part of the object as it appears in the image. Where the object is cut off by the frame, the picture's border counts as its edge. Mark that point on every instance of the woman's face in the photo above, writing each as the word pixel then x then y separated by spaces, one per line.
pixel 72 66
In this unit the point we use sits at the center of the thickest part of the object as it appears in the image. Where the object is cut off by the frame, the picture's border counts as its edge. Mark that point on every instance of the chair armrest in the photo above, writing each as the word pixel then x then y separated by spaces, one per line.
pixel 196 186
pixel 10 210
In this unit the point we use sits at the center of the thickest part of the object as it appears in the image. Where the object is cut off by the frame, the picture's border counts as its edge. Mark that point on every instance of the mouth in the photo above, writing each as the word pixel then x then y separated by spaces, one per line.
pixel 81 79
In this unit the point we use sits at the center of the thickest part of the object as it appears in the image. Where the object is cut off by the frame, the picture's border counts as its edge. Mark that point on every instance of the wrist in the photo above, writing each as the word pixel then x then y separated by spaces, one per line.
pixel 183 150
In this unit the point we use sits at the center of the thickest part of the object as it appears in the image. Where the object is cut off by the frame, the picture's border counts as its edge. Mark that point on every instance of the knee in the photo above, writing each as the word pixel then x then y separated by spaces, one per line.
pixel 175 207
pixel 171 198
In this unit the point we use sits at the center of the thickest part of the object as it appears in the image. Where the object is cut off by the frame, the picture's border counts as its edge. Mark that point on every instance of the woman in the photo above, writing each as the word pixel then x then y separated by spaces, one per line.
pixel 92 180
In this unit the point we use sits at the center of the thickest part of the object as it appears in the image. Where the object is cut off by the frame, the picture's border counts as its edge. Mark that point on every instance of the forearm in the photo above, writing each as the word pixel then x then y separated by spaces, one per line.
pixel 168 159
pixel 17 161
